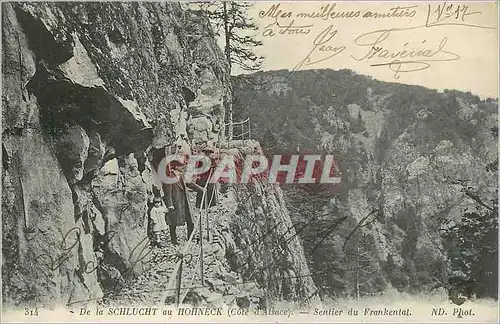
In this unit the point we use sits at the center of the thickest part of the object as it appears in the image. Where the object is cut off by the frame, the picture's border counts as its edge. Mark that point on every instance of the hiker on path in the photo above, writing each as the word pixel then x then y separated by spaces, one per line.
pixel 177 202
pixel 159 225
pixel 211 195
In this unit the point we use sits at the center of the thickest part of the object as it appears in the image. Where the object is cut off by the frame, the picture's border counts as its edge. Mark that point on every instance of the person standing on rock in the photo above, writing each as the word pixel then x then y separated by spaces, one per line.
pixel 176 199
pixel 211 195
pixel 157 217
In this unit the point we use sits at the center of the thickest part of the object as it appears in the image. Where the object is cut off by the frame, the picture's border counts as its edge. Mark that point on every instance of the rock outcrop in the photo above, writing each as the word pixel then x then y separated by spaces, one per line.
pixel 268 247
pixel 89 91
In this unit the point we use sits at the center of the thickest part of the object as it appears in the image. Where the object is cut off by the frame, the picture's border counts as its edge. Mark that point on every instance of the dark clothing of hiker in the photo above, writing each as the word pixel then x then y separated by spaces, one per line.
pixel 211 194
pixel 179 212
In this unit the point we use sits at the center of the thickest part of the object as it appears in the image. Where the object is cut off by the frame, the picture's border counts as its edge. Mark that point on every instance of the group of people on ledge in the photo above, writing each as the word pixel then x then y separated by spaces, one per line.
pixel 173 209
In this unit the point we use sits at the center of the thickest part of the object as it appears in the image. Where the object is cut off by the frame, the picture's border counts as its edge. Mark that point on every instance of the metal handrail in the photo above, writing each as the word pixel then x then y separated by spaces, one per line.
pixel 241 135
pixel 240 122
pixel 176 276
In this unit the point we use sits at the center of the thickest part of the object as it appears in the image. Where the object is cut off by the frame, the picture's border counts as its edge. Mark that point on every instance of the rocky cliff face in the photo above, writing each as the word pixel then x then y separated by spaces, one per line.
pixel 90 90
pixel 268 248
pixel 402 152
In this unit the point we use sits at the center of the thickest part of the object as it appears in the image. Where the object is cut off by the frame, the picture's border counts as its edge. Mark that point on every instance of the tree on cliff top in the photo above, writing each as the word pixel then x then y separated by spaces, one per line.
pixel 230 20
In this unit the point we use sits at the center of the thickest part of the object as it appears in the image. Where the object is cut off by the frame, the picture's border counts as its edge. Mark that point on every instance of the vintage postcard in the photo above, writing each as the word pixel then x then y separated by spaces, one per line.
pixel 264 162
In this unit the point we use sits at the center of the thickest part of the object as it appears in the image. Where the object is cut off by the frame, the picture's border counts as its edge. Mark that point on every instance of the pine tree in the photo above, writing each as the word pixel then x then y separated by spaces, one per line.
pixel 358 125
pixel 229 20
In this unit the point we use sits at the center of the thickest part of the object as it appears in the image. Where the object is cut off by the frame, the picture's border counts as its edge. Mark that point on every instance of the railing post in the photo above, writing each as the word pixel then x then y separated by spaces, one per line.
pixel 209 204
pixel 207 224
pixel 201 246
pixel 208 228
pixel 230 119
pixel 243 133
pixel 249 132
pixel 178 283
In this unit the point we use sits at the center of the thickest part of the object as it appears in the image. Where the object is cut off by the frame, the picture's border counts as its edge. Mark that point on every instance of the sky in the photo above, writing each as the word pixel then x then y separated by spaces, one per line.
pixel 438 45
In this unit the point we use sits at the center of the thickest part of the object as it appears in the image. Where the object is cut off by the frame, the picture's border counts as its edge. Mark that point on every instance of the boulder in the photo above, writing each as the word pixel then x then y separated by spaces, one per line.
pixel 200 128
pixel 243 301
pixel 178 117
pixel 79 68
pixel 210 95
pixel 200 124
pixel 231 278
pixel 110 168
pixel 97 148
pixel 72 151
